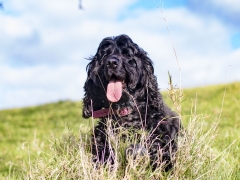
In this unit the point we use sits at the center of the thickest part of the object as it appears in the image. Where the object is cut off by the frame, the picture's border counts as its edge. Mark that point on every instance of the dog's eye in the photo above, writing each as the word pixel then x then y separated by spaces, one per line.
pixel 105 48
pixel 105 52
pixel 105 45
pixel 126 53
pixel 132 62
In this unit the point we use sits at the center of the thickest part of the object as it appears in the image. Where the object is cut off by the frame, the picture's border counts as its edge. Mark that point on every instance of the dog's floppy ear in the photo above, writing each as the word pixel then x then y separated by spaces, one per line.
pixel 88 87
pixel 147 67
pixel 92 77
pixel 150 81
pixel 147 62
pixel 86 113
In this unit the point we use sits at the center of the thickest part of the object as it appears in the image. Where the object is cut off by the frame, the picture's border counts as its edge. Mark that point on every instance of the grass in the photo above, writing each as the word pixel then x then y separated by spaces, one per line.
pixel 33 127
pixel 35 142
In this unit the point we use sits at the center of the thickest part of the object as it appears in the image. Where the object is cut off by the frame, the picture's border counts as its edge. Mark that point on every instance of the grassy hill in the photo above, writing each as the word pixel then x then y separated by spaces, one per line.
pixel 27 133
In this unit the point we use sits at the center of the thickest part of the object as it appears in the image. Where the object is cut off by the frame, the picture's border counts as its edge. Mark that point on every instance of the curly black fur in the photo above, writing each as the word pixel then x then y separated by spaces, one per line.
pixel 131 65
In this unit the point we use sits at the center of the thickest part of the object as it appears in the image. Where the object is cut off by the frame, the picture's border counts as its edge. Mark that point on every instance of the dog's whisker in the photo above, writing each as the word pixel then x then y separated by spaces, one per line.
pixel 101 83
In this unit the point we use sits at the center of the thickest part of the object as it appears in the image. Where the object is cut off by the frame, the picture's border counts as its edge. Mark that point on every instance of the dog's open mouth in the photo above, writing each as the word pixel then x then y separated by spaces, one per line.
pixel 114 89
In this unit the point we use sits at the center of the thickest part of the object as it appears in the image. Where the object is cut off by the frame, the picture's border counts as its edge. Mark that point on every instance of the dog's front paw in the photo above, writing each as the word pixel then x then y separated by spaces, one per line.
pixel 86 113
pixel 135 150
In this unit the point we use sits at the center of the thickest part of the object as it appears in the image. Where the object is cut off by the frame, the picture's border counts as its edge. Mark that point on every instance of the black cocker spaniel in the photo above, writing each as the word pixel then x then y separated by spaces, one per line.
pixel 121 86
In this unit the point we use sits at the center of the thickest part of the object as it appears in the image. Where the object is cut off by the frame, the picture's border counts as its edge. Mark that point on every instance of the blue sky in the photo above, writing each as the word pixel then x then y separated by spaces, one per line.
pixel 43 44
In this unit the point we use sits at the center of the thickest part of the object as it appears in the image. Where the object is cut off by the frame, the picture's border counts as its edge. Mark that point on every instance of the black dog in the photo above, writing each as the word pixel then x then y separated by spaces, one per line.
pixel 121 85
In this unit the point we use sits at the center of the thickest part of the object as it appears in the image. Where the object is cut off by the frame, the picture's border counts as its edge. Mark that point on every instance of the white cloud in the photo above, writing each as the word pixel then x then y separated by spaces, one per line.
pixel 55 37
pixel 231 5
pixel 14 28
pixel 35 85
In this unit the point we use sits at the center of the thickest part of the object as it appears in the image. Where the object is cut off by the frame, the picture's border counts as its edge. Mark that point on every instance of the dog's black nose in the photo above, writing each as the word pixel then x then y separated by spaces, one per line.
pixel 112 63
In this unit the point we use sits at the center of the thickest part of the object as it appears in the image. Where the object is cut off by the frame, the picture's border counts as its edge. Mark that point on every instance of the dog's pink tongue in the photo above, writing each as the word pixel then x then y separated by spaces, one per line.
pixel 114 90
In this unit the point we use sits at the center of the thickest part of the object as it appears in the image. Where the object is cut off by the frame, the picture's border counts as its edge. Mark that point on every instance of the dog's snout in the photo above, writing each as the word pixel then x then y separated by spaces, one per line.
pixel 112 63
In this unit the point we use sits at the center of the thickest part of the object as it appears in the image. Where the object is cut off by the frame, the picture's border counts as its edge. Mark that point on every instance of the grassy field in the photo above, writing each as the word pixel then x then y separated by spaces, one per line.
pixel 27 134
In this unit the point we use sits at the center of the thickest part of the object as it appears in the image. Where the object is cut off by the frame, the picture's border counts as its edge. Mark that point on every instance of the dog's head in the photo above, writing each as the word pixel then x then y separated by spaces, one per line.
pixel 118 64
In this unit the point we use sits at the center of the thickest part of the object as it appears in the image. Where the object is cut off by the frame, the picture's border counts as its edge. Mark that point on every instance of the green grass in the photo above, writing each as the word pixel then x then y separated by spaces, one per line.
pixel 33 127
pixel 27 135
pixel 209 102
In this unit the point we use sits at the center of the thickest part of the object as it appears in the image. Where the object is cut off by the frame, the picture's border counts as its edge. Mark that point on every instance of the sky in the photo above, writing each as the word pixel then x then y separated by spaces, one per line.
pixel 44 44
